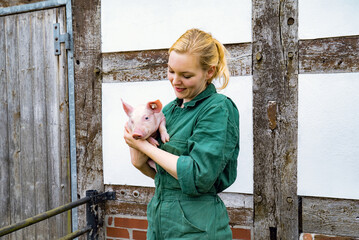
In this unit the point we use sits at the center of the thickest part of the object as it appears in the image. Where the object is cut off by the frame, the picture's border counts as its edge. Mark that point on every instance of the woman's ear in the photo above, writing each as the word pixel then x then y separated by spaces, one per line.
pixel 210 72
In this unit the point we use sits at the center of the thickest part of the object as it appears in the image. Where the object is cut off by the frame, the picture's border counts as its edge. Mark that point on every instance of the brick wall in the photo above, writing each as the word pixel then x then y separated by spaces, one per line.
pixel 125 227
pixel 131 227
pixel 135 227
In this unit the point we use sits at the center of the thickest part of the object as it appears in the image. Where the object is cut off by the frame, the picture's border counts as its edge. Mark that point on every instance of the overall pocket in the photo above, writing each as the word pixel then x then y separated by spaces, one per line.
pixel 186 219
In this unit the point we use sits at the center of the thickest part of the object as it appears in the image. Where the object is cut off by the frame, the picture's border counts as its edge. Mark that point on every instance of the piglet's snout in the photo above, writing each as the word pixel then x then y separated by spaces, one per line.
pixel 138 134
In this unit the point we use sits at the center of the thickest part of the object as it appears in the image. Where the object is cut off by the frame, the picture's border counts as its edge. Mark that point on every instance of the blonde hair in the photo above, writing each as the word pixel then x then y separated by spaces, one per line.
pixel 210 51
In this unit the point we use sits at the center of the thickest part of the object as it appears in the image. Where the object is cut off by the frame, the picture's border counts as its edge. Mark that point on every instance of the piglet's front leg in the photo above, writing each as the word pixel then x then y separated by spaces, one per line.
pixel 150 162
pixel 165 137
pixel 153 141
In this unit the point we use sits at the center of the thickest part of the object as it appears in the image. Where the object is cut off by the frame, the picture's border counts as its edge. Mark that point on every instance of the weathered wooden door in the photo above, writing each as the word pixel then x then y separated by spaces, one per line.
pixel 34 123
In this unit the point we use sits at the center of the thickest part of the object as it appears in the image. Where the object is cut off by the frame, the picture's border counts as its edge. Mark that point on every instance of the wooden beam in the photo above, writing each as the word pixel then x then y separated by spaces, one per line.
pixel 275 96
pixel 336 217
pixel 88 87
pixel 329 55
pixel 316 56
pixel 135 66
pixel 133 200
pixel 151 65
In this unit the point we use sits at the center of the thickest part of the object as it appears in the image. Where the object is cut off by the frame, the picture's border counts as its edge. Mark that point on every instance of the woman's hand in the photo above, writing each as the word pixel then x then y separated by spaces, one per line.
pixel 133 143
pixel 166 160
pixel 138 158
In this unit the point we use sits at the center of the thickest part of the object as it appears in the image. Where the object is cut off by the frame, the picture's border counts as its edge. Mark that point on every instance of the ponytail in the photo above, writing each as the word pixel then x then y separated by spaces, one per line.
pixel 222 72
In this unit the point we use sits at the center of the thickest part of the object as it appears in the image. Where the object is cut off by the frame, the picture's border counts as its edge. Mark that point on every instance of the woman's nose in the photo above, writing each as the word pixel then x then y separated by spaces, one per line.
pixel 176 79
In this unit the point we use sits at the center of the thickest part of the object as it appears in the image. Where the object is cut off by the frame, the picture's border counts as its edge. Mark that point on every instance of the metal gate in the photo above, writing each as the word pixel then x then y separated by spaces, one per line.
pixel 36 105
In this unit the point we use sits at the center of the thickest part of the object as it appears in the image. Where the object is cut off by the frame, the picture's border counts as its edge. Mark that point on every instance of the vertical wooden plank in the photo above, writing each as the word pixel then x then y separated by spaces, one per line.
pixel 4 144
pixel 275 93
pixel 289 218
pixel 88 87
pixel 52 119
pixel 13 95
pixel 40 125
pixel 26 121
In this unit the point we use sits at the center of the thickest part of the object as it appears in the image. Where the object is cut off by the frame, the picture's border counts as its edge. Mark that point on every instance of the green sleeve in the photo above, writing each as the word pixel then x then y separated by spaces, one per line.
pixel 198 171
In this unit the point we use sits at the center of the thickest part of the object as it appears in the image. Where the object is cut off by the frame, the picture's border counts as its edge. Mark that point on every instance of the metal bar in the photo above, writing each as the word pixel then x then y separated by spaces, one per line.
pixel 42 216
pixel 91 198
pixel 71 86
pixel 32 7
pixel 76 234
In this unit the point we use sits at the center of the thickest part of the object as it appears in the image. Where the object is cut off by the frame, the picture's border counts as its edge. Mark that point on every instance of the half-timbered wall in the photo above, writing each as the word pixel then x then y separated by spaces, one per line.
pixel 276 57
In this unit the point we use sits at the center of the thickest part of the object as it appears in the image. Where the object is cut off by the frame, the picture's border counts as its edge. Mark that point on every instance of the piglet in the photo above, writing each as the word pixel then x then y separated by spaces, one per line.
pixel 145 120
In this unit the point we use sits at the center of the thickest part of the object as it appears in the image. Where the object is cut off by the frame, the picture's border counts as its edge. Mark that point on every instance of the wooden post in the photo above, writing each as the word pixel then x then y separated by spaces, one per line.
pixel 88 87
pixel 275 110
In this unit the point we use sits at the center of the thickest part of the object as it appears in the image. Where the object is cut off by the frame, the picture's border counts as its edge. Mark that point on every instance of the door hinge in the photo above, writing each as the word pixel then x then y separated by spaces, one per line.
pixel 61 38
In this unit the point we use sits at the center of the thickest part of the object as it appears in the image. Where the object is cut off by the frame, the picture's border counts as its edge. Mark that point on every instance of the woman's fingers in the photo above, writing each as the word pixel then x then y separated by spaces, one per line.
pixel 127 128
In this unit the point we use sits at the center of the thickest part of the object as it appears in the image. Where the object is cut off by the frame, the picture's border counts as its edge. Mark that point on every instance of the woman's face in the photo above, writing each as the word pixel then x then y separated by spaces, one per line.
pixel 186 76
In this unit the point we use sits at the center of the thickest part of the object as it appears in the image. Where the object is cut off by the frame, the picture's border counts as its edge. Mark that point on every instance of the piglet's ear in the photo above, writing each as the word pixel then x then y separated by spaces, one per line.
pixel 155 106
pixel 127 107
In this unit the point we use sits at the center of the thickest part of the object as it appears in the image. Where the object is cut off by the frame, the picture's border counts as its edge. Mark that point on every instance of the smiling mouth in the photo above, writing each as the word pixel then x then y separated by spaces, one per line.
pixel 179 89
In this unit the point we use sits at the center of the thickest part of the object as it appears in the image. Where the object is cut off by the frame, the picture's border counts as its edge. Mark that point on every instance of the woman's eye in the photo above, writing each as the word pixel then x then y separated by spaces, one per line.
pixel 187 77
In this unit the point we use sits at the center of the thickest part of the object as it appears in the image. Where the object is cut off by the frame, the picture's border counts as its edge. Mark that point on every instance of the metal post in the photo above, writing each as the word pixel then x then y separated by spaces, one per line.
pixel 91 215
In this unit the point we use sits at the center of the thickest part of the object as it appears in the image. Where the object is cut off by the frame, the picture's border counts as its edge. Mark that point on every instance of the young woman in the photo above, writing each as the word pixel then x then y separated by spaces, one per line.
pixel 200 160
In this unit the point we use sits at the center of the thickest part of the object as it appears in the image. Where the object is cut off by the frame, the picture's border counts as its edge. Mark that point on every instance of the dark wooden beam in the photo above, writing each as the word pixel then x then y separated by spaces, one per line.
pixel 87 58
pixel 275 105
pixel 316 56
pixel 133 200
pixel 329 55
pixel 151 65
pixel 336 217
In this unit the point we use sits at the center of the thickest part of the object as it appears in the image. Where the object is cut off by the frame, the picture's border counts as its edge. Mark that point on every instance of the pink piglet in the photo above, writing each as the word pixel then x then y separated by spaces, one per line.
pixel 145 121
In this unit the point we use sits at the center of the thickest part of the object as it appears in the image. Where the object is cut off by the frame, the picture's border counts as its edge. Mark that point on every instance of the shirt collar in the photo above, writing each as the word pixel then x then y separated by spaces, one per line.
pixel 210 90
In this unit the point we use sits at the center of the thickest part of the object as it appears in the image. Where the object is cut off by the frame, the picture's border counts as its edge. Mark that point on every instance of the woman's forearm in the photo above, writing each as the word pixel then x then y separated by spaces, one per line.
pixel 139 160
pixel 147 170
pixel 144 150
pixel 166 160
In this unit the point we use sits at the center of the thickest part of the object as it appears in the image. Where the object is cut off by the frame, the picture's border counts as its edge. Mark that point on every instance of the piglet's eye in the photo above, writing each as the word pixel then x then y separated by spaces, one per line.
pixel 146 118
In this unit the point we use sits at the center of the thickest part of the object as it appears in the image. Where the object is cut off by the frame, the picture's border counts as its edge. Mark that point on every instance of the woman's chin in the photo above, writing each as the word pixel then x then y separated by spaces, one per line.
pixel 179 95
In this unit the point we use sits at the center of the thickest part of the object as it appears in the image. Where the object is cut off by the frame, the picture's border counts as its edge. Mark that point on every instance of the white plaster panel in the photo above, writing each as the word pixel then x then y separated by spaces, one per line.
pixel 328 135
pixel 327 18
pixel 141 24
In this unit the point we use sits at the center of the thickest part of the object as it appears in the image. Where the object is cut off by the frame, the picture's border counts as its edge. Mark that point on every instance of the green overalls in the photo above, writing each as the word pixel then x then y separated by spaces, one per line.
pixel 205 134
